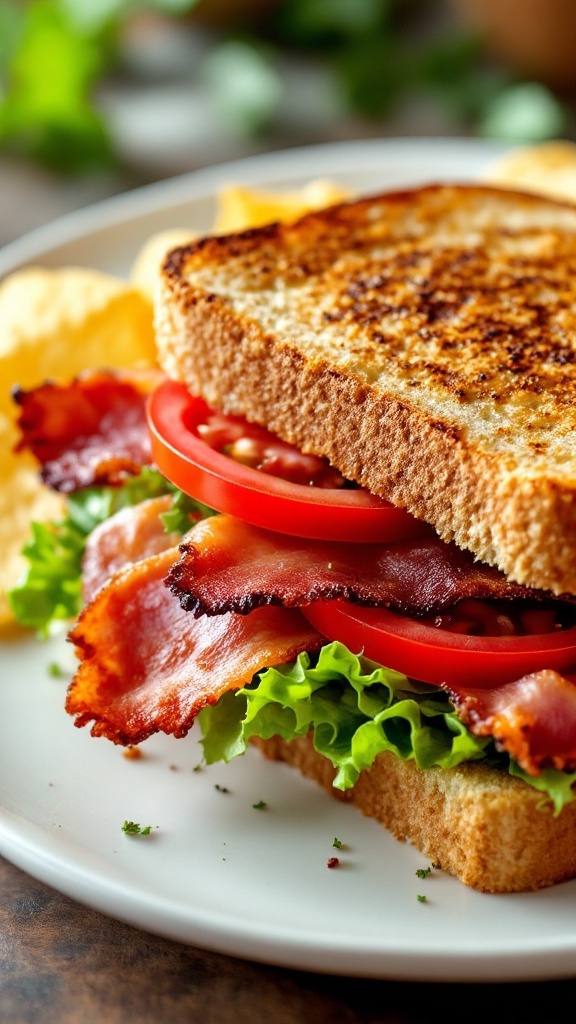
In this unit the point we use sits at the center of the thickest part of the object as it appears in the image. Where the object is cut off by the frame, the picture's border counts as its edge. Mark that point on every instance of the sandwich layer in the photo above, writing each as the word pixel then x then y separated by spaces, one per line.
pixel 490 830
pixel 423 341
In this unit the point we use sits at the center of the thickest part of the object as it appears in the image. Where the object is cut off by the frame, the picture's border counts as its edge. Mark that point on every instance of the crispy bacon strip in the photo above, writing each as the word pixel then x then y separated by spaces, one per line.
pixel 91 431
pixel 128 536
pixel 533 719
pixel 147 666
pixel 227 565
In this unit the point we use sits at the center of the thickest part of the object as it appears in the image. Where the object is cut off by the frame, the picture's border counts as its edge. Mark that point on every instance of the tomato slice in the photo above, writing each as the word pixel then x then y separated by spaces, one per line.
pixel 436 655
pixel 319 513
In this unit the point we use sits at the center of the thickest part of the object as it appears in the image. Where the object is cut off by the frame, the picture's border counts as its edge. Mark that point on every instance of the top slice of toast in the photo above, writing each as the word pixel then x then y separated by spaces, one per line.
pixel 424 341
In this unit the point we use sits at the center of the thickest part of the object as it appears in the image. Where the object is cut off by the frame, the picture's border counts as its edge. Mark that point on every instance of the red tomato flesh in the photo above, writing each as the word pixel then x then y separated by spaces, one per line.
pixel 476 617
pixel 179 423
pixel 436 655
pixel 254 446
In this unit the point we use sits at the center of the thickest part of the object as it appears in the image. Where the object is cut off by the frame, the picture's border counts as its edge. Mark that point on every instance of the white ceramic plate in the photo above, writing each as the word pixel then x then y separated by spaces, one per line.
pixel 218 873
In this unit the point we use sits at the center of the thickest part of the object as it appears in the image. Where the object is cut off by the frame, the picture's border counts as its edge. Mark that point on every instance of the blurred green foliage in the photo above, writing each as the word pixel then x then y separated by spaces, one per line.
pixel 54 53
pixel 51 68
pixel 379 57
pixel 245 89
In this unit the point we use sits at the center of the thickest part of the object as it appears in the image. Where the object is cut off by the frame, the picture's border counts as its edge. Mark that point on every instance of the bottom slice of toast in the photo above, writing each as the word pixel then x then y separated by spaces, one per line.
pixel 492 831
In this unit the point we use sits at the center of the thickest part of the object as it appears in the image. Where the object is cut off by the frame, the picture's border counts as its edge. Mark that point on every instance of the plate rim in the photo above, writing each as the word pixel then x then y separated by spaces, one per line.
pixel 516 964
pixel 201 182
pixel 164 918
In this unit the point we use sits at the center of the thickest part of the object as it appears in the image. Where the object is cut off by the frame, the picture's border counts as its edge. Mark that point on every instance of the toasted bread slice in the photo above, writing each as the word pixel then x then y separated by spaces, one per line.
pixel 424 341
pixel 494 832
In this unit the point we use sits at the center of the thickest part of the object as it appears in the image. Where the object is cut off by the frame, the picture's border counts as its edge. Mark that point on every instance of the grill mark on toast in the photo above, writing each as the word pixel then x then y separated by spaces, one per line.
pixel 452 310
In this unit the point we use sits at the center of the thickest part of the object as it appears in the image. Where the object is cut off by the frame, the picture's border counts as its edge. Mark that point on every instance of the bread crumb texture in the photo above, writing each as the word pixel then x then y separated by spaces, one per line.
pixel 424 341
pixel 488 829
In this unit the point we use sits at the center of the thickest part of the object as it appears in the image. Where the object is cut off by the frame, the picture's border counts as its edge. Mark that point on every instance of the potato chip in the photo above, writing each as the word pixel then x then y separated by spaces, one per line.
pixel 240 207
pixel 548 168
pixel 22 498
pixel 146 266
pixel 55 323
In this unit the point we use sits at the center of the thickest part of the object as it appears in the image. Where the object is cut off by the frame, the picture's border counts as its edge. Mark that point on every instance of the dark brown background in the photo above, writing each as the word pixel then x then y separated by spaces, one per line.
pixel 61 963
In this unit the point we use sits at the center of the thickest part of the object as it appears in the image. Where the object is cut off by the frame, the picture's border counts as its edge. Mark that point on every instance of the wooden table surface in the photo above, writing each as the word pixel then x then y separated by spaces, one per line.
pixel 61 963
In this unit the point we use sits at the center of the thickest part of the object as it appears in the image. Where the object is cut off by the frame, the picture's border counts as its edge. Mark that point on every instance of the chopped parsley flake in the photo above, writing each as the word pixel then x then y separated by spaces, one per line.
pixel 423 872
pixel 422 899
pixel 260 806
pixel 198 767
pixel 132 828
pixel 337 844
pixel 55 670
pixel 221 789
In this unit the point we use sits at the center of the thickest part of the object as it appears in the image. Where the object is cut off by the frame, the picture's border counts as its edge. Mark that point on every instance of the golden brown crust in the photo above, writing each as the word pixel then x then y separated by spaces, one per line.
pixel 475 822
pixel 424 341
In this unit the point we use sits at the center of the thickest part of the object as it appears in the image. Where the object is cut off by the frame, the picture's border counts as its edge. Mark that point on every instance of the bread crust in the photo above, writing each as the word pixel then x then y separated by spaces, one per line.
pixel 491 831
pixel 465 412
pixel 425 343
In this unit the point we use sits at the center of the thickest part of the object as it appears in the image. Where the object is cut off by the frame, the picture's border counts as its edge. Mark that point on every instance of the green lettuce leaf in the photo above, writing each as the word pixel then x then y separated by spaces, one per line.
pixel 357 709
pixel 182 511
pixel 50 591
pixel 555 786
